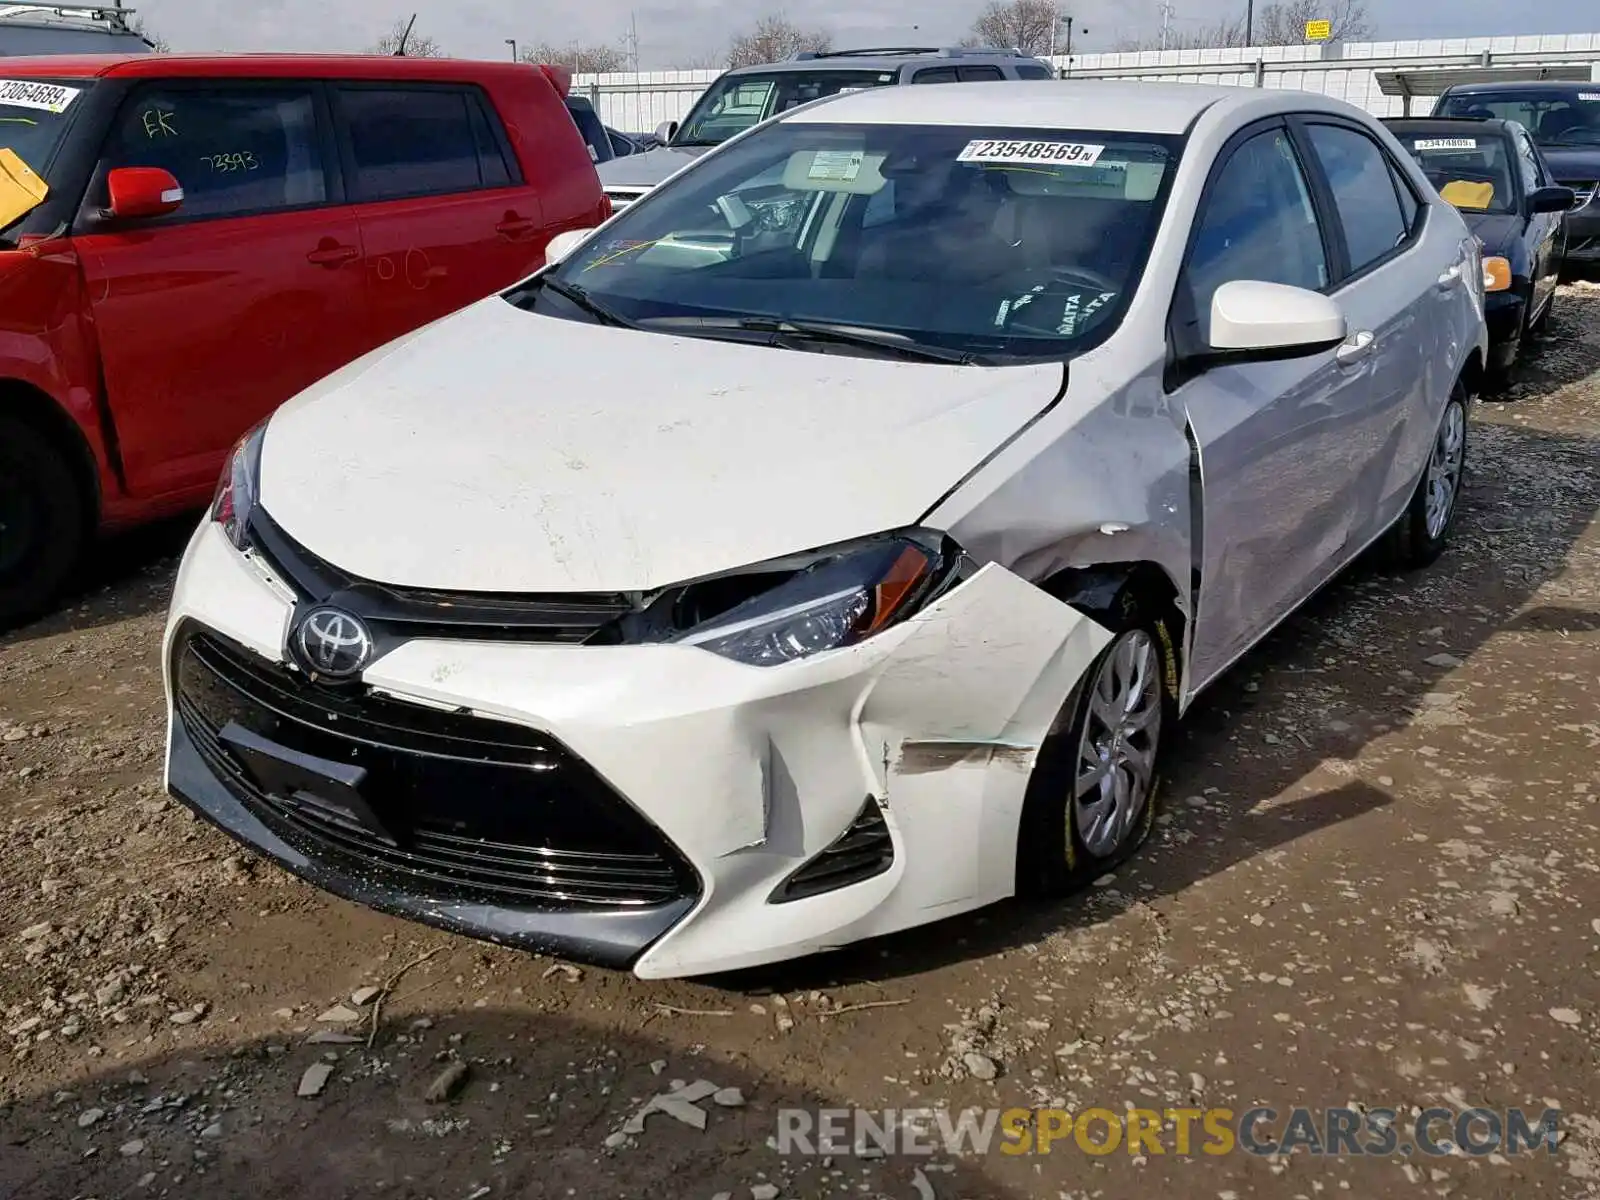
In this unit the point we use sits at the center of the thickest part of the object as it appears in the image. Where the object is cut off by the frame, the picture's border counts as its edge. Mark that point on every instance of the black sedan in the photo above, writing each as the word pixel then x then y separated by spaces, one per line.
pixel 1495 177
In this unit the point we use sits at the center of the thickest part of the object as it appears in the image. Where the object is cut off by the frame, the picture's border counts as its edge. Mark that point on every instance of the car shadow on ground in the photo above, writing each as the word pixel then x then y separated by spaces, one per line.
pixel 531 1120
pixel 1393 638
pixel 123 575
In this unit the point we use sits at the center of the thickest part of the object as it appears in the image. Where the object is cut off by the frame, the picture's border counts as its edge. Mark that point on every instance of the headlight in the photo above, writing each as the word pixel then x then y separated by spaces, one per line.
pixel 784 612
pixel 236 491
pixel 1496 274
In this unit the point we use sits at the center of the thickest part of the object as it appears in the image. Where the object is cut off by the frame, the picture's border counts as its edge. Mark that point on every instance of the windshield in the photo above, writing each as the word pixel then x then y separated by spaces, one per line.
pixel 998 244
pixel 34 114
pixel 1554 117
pixel 1472 172
pixel 736 102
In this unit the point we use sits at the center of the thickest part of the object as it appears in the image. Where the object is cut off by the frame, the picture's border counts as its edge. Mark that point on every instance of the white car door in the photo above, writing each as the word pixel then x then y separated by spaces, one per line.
pixel 1395 285
pixel 1274 437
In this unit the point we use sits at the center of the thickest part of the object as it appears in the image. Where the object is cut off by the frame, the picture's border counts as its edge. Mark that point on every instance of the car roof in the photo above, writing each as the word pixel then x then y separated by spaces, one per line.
pixel 1519 85
pixel 884 58
pixel 305 66
pixel 1114 106
pixel 1463 124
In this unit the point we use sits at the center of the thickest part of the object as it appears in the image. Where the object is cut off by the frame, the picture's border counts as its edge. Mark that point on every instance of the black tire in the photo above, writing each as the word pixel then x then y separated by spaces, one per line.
pixel 1412 542
pixel 43 521
pixel 1054 856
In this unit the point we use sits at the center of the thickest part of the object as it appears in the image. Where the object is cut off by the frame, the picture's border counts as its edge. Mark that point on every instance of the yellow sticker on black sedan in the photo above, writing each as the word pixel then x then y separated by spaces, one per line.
pixel 1075 154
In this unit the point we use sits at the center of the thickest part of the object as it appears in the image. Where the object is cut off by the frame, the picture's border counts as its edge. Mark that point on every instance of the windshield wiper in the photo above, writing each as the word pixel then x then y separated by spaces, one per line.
pixel 576 295
pixel 822 332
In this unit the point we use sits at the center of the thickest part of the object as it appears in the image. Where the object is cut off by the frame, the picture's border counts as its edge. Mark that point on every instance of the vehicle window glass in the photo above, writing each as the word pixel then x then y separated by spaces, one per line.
pixel 979 74
pixel 1529 161
pixel 1555 117
pixel 410 142
pixel 496 171
pixel 1471 169
pixel 1363 192
pixel 594 133
pixel 1409 204
pixel 975 239
pixel 233 150
pixel 1034 71
pixel 935 75
pixel 736 102
pixel 1257 221
pixel 35 113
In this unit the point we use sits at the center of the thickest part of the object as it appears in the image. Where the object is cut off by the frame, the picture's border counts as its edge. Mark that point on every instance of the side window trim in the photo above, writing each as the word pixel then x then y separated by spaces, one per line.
pixel 347 153
pixel 1328 209
pixel 332 180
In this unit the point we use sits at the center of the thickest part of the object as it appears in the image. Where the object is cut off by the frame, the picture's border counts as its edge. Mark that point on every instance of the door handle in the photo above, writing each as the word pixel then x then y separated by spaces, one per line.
pixel 332 254
pixel 514 227
pixel 1450 278
pixel 1355 349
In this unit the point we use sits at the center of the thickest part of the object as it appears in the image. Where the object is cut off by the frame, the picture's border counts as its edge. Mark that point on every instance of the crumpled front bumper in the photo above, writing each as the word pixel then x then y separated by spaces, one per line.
pixel 748 772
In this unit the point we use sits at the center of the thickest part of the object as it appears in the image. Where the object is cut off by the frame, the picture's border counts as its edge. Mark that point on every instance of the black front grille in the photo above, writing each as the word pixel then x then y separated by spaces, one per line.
pixel 397 614
pixel 476 810
pixel 860 852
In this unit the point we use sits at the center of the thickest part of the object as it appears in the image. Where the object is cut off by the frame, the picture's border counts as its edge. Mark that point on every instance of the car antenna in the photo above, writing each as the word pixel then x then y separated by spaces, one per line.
pixel 400 50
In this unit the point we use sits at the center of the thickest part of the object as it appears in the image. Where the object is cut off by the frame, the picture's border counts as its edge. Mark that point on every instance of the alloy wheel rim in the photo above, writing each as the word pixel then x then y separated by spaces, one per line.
pixel 1116 761
pixel 1444 468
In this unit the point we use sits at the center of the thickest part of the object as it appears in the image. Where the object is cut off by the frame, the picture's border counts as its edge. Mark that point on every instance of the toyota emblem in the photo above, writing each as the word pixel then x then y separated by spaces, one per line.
pixel 333 642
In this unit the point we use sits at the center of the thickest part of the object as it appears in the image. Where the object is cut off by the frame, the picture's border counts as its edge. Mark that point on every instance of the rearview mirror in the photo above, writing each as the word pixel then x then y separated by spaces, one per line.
pixel 1551 199
pixel 1254 320
pixel 140 192
pixel 666 131
pixel 564 244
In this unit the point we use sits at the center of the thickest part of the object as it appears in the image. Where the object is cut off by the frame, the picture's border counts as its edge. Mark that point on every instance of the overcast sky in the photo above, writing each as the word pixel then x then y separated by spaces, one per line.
pixel 677 33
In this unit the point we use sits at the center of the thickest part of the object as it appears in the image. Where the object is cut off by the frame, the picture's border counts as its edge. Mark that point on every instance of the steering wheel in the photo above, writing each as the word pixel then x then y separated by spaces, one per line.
pixel 1084 277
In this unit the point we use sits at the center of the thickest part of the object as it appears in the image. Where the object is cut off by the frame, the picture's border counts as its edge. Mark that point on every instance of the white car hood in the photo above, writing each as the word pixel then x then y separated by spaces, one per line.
pixel 502 451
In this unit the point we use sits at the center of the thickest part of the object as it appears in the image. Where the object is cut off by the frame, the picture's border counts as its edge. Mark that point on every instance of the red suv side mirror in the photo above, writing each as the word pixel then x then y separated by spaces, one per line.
pixel 142 192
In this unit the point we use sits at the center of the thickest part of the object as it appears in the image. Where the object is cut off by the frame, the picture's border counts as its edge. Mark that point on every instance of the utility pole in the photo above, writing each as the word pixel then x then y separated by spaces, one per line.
pixel 512 42
pixel 1166 22
pixel 633 42
pixel 1249 20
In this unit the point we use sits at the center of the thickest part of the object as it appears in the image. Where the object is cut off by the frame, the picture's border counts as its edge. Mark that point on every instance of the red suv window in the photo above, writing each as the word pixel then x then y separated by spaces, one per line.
pixel 419 142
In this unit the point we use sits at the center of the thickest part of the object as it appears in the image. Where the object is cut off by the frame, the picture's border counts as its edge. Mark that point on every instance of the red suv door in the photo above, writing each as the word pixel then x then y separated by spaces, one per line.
pixel 445 218
pixel 211 317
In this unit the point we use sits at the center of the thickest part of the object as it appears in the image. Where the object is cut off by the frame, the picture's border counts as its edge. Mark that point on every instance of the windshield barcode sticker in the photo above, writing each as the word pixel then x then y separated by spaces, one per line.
pixel 24 93
pixel 1589 96
pixel 1446 143
pixel 1063 153
pixel 836 166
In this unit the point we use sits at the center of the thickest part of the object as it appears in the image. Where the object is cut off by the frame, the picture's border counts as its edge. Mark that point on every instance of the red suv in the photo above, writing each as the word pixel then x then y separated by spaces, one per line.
pixel 189 241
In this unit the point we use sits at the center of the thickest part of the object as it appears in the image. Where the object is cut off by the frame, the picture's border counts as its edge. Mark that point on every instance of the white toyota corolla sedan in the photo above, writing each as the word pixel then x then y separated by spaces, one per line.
pixel 828 543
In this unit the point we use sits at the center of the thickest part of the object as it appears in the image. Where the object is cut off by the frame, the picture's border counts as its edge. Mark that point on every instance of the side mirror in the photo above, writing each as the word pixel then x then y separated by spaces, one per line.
pixel 564 244
pixel 1252 320
pixel 1551 199
pixel 139 192
pixel 666 131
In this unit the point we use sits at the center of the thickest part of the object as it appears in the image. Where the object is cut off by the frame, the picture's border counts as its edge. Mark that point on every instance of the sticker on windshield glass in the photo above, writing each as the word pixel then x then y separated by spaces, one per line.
pixel 1044 153
pixel 1591 96
pixel 25 93
pixel 1446 143
pixel 835 166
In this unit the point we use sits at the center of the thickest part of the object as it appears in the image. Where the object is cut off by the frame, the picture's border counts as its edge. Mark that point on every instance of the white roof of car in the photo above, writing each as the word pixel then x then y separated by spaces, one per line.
pixel 1112 106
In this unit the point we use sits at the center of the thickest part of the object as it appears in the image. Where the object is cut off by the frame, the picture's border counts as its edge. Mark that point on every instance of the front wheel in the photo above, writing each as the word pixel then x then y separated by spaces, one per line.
pixel 1420 535
pixel 42 521
pixel 1091 800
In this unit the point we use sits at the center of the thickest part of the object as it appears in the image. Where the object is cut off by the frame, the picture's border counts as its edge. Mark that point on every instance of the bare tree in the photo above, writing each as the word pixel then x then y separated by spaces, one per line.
pixel 581 60
pixel 158 43
pixel 417 45
pixel 773 39
pixel 1281 23
pixel 1032 26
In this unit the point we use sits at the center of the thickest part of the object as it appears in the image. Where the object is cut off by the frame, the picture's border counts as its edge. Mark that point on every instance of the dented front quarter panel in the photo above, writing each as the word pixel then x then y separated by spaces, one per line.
pixel 1103 477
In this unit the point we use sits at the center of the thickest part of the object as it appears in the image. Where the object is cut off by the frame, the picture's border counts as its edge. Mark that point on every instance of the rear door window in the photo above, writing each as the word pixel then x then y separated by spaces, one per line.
pixel 935 75
pixel 234 149
pixel 979 74
pixel 1034 71
pixel 413 141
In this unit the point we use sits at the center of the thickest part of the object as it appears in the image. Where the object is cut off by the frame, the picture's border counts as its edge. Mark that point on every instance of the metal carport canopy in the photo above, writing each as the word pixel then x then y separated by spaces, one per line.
pixel 1433 81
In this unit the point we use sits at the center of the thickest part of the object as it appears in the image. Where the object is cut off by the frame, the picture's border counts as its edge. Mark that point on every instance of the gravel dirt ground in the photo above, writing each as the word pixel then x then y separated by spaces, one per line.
pixel 1376 881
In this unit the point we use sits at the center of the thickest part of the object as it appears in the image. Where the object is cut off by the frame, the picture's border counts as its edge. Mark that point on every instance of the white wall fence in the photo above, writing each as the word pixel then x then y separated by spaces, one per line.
pixel 639 102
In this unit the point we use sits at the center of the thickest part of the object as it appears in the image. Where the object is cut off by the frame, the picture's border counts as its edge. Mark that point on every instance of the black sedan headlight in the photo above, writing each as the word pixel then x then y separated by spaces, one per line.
pixel 783 611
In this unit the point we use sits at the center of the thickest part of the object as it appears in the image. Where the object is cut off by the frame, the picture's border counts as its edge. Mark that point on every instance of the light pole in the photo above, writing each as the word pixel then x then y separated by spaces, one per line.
pixel 512 42
pixel 1249 20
